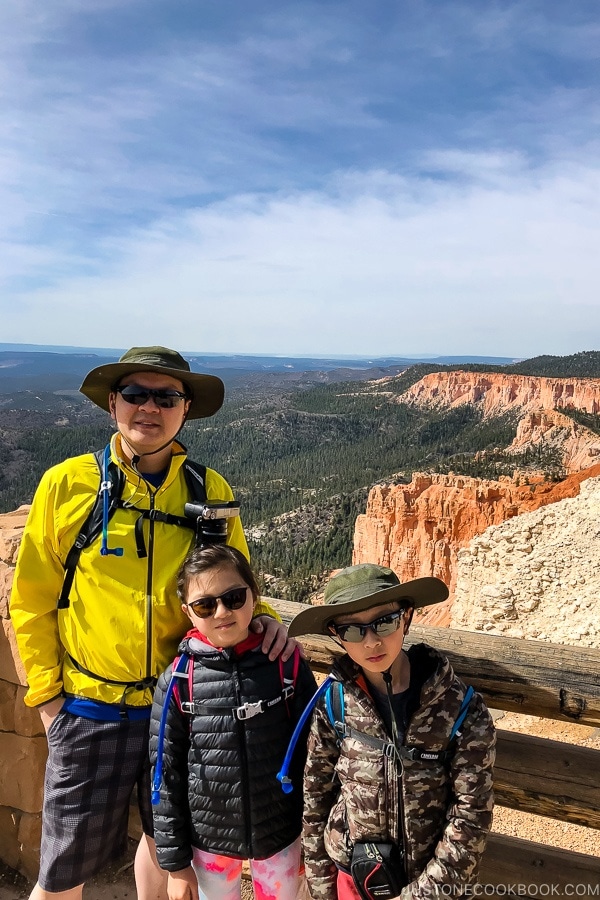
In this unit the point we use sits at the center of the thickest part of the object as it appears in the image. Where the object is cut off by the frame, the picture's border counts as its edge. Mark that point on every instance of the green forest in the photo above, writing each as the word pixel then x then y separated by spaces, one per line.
pixel 302 460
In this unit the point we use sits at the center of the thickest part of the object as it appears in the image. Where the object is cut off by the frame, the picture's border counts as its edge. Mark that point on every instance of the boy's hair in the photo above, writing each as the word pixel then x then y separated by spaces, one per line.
pixel 201 559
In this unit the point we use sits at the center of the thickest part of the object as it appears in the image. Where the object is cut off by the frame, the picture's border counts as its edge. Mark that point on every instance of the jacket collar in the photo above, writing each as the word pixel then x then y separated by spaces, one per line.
pixel 178 457
pixel 196 642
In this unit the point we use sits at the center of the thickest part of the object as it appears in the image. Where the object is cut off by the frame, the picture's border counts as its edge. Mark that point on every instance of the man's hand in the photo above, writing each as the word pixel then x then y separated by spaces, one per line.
pixel 49 711
pixel 182 885
pixel 275 641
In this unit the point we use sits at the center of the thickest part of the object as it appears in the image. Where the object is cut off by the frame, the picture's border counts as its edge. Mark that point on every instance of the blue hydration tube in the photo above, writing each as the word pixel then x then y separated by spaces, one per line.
pixel 282 776
pixel 158 768
pixel 105 488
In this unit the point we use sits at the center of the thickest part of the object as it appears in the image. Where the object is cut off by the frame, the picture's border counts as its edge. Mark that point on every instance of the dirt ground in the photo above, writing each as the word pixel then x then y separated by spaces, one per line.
pixel 116 883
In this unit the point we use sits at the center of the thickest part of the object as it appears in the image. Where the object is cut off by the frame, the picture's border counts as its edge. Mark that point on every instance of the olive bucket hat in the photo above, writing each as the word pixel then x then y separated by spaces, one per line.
pixel 206 391
pixel 358 588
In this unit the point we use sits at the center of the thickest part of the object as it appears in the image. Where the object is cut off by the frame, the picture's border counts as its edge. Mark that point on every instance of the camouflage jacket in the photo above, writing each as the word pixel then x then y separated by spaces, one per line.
pixel 356 792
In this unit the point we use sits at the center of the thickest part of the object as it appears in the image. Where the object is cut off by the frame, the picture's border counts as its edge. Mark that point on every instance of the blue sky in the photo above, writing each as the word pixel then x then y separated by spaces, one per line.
pixel 349 178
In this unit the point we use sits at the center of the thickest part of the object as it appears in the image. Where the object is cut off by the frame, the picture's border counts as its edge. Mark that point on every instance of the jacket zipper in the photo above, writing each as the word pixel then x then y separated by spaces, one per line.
pixel 244 767
pixel 402 836
pixel 149 582
pixel 395 764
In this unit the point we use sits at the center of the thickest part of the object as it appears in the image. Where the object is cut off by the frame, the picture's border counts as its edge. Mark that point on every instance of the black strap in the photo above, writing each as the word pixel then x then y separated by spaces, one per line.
pixel 141 684
pixel 246 711
pixel 242 713
pixel 195 478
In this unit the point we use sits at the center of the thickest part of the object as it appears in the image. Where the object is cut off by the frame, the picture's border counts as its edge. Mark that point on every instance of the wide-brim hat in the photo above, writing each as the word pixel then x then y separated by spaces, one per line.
pixel 361 587
pixel 206 391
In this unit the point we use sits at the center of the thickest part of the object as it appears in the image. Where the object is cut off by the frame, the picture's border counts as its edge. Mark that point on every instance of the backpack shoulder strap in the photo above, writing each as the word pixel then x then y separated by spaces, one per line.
pixel 335 707
pixel 195 479
pixel 113 480
pixel 336 713
pixel 464 708
pixel 182 674
pixel 288 673
pixel 443 755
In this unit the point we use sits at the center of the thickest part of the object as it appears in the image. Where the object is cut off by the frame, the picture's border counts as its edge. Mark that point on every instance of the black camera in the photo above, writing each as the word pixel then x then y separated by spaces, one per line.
pixel 378 870
pixel 211 520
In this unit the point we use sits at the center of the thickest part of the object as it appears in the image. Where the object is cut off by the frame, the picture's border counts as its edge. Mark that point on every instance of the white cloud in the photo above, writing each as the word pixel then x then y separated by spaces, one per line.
pixel 506 269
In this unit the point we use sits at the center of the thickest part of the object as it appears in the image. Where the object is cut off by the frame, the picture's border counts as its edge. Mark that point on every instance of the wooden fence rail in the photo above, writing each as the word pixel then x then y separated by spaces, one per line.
pixel 533 775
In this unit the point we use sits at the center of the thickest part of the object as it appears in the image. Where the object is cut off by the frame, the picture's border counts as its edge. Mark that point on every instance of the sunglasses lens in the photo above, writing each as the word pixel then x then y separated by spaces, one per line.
pixel 351 634
pixel 134 399
pixel 204 607
pixel 386 625
pixel 167 401
pixel 235 598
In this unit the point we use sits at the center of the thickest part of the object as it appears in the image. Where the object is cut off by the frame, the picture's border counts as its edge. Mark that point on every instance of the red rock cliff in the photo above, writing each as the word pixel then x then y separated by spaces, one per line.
pixel 499 392
pixel 579 446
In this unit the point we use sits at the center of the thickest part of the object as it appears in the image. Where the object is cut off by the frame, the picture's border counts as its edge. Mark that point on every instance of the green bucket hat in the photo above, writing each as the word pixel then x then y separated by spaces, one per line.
pixel 358 588
pixel 206 391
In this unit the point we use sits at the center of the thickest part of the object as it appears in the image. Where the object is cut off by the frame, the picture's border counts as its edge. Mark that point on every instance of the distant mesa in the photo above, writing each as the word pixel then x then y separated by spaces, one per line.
pixel 497 392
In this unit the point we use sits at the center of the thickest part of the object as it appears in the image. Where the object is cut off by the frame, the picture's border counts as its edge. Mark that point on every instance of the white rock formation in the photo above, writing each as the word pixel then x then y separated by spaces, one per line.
pixel 537 575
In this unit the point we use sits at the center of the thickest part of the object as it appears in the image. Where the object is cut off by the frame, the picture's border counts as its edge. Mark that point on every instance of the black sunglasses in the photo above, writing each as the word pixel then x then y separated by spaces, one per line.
pixel 384 625
pixel 166 398
pixel 233 599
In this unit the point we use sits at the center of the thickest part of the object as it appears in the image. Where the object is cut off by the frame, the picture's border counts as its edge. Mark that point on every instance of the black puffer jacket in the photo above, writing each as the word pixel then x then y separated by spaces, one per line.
pixel 219 791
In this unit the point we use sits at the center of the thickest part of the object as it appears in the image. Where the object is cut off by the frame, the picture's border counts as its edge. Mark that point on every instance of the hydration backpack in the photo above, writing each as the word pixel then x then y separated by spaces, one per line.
pixel 181 685
pixel 183 689
pixel 334 704
pixel 108 500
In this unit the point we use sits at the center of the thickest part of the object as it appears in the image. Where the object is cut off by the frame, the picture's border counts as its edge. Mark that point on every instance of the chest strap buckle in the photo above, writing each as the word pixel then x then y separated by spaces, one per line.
pixel 248 710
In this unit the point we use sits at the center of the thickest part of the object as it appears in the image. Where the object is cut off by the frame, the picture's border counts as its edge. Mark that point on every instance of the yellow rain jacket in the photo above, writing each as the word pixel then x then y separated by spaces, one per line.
pixel 124 621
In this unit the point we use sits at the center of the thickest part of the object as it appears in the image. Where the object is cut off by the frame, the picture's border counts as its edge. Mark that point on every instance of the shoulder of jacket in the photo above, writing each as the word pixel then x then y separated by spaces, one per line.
pixel 69 486
pixel 84 466
pixel 164 678
pixel 217 485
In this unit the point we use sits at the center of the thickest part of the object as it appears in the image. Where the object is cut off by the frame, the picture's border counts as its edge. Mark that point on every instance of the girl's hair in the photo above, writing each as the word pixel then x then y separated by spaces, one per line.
pixel 201 559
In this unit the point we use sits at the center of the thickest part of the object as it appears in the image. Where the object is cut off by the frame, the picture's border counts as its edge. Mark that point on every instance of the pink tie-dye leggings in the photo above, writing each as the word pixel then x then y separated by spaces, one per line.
pixel 275 878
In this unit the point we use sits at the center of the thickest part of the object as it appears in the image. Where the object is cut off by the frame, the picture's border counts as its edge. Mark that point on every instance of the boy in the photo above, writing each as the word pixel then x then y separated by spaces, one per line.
pixel 389 773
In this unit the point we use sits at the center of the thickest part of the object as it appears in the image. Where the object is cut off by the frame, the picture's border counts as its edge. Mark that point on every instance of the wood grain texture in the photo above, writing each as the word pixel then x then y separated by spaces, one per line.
pixel 512 861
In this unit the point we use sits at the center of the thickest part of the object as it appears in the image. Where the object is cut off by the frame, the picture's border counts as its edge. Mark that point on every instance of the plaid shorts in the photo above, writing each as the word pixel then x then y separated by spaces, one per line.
pixel 92 770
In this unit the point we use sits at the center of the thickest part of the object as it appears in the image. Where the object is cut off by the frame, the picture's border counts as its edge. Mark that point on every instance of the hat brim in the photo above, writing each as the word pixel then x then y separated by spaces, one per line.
pixel 420 592
pixel 207 391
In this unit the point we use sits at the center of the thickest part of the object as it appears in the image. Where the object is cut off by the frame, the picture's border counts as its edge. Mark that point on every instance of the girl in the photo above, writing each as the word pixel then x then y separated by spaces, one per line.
pixel 228 718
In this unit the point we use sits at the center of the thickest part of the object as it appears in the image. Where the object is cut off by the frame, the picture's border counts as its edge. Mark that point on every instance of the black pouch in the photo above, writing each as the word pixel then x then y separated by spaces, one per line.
pixel 377 870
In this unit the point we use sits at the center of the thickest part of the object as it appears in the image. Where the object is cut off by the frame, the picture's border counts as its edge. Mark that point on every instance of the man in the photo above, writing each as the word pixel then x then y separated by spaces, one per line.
pixel 92 660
